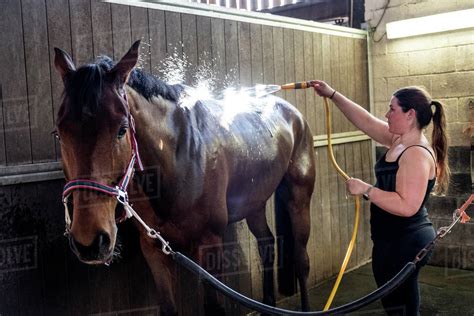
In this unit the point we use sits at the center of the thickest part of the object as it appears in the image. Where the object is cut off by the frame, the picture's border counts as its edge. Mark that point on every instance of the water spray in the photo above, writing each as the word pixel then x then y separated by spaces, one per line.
pixel 261 90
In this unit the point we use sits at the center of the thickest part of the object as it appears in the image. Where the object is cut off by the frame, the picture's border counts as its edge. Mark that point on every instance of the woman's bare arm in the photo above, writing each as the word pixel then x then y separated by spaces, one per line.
pixel 372 126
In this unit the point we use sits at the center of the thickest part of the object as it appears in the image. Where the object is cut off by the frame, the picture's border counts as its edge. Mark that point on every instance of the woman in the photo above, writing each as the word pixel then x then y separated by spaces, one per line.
pixel 405 175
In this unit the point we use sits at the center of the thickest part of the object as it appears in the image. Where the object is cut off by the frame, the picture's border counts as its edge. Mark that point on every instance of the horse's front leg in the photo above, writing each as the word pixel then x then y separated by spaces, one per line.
pixel 164 274
pixel 209 255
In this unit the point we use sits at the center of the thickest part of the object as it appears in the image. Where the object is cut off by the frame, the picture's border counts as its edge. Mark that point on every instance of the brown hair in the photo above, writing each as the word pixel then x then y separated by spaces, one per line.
pixel 418 99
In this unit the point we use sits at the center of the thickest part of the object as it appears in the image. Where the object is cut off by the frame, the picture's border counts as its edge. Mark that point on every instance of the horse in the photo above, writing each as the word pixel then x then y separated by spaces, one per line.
pixel 211 164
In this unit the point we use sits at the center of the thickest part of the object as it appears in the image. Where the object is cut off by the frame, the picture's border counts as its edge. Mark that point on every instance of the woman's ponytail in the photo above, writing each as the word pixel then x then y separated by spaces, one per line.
pixel 439 142
pixel 418 99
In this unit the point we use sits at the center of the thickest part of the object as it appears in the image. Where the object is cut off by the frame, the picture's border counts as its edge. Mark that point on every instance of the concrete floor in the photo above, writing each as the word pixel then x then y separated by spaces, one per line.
pixel 443 292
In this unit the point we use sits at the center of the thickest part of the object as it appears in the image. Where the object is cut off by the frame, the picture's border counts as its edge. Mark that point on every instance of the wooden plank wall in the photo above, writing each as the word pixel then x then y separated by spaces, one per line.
pixel 238 52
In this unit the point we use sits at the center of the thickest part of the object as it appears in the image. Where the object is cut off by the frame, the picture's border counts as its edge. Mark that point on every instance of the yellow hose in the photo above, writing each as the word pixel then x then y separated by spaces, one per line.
pixel 357 209
pixel 308 84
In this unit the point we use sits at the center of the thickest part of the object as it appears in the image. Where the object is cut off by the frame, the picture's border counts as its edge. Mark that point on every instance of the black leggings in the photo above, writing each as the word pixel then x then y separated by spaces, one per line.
pixel 389 257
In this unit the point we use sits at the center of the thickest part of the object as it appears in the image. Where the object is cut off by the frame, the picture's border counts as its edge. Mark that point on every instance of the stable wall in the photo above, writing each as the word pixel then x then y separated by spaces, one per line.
pixel 443 64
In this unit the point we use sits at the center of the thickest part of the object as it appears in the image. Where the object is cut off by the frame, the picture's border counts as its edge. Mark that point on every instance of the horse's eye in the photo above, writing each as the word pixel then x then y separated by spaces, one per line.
pixel 122 132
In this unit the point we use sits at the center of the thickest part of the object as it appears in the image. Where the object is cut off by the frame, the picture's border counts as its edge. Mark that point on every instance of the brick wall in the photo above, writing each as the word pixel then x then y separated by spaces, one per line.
pixel 443 64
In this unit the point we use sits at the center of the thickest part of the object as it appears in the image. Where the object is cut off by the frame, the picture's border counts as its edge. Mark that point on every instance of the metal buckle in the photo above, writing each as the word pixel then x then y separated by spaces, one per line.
pixel 122 196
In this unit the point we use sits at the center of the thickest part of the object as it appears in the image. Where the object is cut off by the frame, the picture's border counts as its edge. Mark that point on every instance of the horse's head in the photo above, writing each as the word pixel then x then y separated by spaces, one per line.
pixel 94 127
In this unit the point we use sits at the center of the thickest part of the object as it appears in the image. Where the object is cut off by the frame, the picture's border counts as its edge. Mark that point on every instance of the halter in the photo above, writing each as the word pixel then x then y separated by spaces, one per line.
pixel 119 191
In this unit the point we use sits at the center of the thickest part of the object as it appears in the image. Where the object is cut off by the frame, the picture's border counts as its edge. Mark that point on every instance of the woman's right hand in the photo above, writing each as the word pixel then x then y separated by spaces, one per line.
pixel 322 88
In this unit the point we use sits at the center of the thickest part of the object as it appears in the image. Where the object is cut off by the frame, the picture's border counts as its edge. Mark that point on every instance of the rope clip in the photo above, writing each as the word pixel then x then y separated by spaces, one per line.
pixel 165 244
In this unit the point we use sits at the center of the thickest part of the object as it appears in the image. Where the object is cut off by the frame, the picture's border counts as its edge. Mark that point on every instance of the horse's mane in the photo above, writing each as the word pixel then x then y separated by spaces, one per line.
pixel 84 87
pixel 150 86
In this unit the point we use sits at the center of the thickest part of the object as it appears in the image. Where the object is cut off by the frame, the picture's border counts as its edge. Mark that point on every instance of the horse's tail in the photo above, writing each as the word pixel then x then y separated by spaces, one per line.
pixel 285 243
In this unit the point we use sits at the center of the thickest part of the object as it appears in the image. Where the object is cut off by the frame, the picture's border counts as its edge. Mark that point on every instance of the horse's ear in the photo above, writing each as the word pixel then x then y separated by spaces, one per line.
pixel 126 64
pixel 63 62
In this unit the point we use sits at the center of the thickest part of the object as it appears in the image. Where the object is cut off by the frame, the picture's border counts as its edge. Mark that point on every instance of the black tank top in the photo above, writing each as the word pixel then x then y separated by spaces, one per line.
pixel 386 226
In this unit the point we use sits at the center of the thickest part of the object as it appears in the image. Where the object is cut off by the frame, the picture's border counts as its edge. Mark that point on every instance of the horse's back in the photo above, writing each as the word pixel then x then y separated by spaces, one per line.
pixel 232 155
pixel 260 146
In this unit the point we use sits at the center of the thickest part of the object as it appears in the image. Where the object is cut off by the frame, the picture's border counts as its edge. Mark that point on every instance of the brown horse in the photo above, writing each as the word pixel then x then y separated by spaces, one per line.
pixel 210 165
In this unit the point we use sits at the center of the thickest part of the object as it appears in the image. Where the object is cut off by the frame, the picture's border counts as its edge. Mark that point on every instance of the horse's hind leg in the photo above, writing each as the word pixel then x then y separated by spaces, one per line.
pixel 266 248
pixel 295 198
pixel 300 221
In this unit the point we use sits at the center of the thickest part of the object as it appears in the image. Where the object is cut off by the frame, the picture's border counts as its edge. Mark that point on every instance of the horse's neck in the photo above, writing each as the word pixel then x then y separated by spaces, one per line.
pixel 156 138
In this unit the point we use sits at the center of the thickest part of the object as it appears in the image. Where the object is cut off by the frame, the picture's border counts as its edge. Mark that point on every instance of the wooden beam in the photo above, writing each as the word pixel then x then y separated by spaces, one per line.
pixel 340 138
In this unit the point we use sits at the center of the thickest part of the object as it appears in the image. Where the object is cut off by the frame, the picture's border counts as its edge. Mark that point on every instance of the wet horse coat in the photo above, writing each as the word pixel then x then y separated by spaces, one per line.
pixel 214 163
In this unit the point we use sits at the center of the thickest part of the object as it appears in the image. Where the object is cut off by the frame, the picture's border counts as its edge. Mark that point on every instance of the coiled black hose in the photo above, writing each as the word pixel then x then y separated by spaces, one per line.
pixel 262 308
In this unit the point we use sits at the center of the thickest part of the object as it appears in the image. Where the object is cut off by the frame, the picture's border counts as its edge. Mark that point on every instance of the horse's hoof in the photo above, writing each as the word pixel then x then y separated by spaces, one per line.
pixel 213 310
pixel 269 301
pixel 168 312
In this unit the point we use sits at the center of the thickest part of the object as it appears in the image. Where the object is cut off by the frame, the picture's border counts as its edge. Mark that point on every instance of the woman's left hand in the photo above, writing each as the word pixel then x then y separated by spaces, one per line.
pixel 356 186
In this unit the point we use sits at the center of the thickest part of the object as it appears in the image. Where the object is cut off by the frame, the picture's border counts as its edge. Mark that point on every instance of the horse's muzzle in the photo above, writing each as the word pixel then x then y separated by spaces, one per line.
pixel 98 252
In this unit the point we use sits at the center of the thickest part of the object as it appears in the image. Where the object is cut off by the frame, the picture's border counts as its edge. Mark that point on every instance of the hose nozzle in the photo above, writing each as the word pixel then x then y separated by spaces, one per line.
pixel 297 85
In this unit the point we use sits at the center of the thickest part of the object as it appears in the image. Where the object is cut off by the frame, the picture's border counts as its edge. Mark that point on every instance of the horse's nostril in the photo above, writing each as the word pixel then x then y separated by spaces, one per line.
pixel 103 241
pixel 97 250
